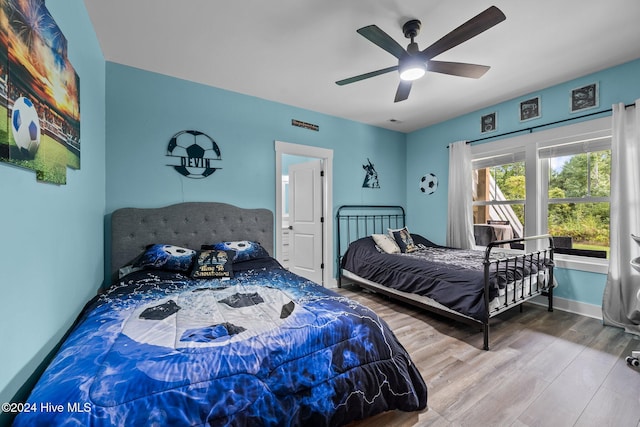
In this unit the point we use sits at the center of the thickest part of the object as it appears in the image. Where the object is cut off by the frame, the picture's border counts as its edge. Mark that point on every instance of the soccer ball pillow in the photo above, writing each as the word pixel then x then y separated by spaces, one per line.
pixel 245 249
pixel 166 257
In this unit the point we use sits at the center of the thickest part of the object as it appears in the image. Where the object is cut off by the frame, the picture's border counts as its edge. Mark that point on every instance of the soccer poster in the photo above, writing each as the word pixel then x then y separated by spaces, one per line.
pixel 39 93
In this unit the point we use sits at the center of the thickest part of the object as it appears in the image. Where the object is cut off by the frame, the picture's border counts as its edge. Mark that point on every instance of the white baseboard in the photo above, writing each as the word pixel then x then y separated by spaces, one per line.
pixel 577 307
pixel 331 283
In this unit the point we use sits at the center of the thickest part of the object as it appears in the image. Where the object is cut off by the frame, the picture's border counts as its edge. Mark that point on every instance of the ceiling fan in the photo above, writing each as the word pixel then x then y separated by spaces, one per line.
pixel 414 63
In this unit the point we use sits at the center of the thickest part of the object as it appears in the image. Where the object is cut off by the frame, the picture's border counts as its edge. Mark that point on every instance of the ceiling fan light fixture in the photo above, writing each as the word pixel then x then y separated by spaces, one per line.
pixel 412 69
pixel 413 63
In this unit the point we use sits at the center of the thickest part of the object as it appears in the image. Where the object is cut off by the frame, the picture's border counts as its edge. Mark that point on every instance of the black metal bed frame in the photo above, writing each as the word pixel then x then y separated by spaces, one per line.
pixel 357 221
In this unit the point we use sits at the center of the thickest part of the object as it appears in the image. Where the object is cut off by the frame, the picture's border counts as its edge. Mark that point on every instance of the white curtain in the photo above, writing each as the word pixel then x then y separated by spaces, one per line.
pixel 621 300
pixel 460 208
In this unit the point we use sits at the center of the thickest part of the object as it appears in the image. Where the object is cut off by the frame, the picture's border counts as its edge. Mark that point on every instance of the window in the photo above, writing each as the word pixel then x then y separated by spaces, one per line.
pixel 555 181
pixel 499 200
pixel 578 186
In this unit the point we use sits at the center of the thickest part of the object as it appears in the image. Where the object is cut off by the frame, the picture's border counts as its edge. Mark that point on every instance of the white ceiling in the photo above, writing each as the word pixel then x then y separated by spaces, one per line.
pixel 293 51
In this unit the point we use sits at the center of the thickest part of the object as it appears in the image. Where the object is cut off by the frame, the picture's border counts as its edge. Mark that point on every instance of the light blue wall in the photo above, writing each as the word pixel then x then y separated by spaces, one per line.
pixel 145 109
pixel 51 257
pixel 427 152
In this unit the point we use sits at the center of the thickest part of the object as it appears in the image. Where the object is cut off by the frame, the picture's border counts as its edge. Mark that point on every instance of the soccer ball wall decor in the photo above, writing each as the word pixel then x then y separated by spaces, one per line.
pixel 194 152
pixel 429 183
pixel 25 126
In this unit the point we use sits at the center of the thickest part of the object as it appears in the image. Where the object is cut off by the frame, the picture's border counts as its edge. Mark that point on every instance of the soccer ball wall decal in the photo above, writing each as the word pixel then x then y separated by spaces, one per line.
pixel 429 183
pixel 25 126
pixel 194 152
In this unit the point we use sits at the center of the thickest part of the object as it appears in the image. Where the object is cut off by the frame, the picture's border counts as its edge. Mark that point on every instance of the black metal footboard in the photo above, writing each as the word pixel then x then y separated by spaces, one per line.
pixel 519 290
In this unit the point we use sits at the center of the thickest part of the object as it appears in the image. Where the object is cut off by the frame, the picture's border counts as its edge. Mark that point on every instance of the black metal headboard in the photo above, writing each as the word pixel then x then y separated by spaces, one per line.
pixel 357 221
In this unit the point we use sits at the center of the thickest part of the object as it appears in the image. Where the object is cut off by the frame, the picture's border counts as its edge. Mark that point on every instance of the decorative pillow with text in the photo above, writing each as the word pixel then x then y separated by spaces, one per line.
pixel 213 264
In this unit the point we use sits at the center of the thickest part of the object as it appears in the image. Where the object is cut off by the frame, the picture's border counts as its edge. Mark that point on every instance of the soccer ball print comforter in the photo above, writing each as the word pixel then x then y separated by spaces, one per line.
pixel 267 347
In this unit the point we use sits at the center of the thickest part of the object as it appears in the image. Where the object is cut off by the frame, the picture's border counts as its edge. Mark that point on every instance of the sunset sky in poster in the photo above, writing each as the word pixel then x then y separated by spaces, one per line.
pixel 39 47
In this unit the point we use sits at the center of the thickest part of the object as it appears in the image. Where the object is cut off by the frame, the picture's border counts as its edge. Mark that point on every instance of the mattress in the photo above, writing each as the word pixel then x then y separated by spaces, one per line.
pixel 266 347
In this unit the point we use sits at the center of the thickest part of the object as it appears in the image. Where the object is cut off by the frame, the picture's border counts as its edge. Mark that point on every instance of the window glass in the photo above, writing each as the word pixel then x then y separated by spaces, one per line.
pixel 580 175
pixel 578 209
pixel 499 202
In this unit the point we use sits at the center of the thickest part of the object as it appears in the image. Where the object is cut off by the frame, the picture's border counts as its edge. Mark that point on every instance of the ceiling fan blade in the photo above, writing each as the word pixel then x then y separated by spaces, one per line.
pixel 461 69
pixel 366 76
pixel 403 91
pixel 382 39
pixel 476 25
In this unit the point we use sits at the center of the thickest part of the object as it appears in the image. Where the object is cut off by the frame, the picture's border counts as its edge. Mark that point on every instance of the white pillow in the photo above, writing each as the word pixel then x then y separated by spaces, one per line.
pixel 385 243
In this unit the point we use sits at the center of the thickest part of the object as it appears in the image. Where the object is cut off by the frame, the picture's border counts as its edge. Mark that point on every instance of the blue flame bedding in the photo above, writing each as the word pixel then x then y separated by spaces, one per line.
pixel 265 348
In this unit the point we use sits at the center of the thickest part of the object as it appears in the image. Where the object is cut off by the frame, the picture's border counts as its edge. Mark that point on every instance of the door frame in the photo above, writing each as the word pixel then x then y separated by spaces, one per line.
pixel 326 155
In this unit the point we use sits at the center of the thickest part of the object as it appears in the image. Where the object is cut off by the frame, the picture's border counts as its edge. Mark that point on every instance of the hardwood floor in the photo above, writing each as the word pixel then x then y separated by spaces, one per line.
pixel 544 369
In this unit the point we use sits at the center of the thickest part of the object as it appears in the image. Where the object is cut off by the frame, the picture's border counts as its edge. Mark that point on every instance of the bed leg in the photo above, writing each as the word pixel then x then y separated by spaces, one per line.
pixel 485 330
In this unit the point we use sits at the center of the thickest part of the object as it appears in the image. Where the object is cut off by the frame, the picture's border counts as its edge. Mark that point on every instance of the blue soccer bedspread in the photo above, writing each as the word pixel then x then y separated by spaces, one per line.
pixel 264 348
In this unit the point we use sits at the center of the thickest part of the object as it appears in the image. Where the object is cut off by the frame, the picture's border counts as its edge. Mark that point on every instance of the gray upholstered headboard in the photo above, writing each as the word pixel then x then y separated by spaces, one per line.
pixel 189 225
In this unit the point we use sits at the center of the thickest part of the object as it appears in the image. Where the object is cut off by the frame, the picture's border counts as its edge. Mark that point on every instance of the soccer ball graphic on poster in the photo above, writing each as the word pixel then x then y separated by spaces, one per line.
pixel 25 126
pixel 429 183
pixel 194 152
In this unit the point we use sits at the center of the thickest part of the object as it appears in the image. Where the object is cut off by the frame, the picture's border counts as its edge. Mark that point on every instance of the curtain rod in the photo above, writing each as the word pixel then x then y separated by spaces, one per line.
pixel 531 129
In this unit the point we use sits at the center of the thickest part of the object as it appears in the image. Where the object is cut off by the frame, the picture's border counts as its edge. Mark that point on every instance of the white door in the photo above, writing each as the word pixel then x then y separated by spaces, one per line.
pixel 305 220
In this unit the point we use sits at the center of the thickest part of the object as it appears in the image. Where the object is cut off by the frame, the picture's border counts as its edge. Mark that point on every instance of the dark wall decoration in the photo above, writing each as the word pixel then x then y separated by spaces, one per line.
pixel 39 93
pixel 305 125
pixel 530 109
pixel 193 153
pixel 585 97
pixel 371 176
pixel 489 122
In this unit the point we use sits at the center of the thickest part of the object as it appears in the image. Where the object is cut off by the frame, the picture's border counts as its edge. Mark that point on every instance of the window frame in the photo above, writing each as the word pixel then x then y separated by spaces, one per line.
pixel 536 188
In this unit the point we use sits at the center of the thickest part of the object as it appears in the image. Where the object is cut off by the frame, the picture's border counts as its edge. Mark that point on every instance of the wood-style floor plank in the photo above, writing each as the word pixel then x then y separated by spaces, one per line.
pixel 544 369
